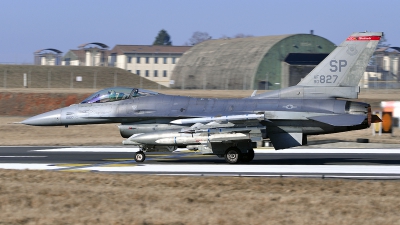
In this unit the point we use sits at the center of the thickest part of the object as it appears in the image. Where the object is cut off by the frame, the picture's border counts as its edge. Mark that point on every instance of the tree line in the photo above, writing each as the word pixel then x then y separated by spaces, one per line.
pixel 163 38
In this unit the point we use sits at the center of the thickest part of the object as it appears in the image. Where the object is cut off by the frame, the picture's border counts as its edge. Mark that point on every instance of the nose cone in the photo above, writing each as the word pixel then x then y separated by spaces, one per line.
pixel 52 118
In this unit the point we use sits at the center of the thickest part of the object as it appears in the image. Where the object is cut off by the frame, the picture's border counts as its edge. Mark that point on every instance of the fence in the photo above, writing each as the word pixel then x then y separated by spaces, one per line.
pixel 18 76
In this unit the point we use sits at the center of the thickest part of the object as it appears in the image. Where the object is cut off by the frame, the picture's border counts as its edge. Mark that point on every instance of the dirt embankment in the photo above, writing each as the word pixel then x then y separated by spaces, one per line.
pixel 29 104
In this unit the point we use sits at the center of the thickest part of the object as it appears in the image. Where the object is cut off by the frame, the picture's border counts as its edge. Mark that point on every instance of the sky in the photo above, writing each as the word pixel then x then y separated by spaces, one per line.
pixel 27 26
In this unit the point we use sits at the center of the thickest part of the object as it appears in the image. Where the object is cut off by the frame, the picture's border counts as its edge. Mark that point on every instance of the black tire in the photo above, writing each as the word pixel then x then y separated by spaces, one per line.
pixel 233 156
pixel 140 156
pixel 249 156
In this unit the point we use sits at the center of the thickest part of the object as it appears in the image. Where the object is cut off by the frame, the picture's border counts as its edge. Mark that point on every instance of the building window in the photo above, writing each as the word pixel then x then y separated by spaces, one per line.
pixel 147 73
pixel 173 60
pixel 138 72
pixel 130 71
pixel 155 73
pixel 165 60
pixel 155 60
pixel 147 60
pixel 164 73
pixel 129 59
pixel 138 59
pixel 113 59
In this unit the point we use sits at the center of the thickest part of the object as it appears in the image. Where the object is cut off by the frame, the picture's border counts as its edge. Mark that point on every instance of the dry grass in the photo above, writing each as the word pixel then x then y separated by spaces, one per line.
pixel 43 197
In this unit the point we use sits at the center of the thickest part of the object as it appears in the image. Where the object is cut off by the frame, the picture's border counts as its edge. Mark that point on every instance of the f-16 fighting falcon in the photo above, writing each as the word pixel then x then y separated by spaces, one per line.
pixel 230 128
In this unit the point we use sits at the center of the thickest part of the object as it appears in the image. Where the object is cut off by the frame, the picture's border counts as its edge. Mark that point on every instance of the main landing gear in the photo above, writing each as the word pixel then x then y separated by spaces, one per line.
pixel 233 156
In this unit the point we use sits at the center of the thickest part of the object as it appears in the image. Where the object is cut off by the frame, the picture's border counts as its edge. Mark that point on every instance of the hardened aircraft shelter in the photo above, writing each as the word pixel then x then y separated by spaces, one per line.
pixel 267 62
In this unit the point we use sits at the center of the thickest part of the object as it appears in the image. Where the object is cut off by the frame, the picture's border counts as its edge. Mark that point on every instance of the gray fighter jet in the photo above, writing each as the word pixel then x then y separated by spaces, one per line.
pixel 230 128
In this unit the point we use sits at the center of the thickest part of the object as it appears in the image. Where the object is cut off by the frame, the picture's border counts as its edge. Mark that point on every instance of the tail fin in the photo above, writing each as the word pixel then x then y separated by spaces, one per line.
pixel 345 66
pixel 338 75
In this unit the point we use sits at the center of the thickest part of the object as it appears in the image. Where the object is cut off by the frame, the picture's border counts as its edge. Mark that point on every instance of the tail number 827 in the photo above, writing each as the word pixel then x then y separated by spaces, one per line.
pixel 322 79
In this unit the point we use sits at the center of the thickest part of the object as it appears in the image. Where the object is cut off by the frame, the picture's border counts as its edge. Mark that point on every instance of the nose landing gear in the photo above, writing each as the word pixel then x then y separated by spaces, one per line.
pixel 140 156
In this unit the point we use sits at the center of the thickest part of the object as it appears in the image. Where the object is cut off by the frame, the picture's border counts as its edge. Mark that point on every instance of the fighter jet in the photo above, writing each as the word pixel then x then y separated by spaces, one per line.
pixel 230 128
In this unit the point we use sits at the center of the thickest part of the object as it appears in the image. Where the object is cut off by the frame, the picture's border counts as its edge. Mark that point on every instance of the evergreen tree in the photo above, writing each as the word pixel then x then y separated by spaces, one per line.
pixel 163 38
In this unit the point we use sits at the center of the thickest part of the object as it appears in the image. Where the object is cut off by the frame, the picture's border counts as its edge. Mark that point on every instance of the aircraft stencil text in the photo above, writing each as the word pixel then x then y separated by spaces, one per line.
pixel 322 79
pixel 337 65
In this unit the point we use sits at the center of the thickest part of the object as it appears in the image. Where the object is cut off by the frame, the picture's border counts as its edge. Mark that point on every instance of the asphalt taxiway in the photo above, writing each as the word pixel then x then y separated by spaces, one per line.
pixel 344 162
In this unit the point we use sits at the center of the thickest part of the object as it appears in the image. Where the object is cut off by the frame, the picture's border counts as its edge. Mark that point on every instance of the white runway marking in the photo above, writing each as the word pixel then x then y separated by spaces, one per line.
pixel 91 149
pixel 333 150
pixel 199 168
pixel 26 166
pixel 95 149
pixel 259 150
pixel 237 169
pixel 21 156
pixel 221 169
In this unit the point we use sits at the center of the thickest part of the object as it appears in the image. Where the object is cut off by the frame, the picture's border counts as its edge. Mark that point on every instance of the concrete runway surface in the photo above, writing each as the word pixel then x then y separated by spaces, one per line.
pixel 324 163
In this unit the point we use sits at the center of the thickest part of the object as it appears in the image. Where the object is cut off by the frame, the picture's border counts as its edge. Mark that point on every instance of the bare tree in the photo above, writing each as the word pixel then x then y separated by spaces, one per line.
pixel 224 37
pixel 241 35
pixel 199 37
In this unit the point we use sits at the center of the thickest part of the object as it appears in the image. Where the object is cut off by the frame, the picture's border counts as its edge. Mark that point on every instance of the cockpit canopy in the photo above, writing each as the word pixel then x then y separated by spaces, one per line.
pixel 117 94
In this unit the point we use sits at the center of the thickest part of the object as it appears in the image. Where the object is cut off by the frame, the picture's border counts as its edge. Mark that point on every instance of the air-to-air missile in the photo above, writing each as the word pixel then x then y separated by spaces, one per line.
pixel 218 118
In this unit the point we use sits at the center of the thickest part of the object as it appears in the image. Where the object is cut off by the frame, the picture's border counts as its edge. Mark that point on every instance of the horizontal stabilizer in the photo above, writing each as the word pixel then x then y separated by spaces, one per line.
pixel 340 120
pixel 285 140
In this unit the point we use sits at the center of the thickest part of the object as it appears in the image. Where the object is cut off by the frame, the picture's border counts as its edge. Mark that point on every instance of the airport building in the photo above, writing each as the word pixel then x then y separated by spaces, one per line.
pixel 268 62
pixel 47 57
pixel 89 54
pixel 384 69
pixel 153 62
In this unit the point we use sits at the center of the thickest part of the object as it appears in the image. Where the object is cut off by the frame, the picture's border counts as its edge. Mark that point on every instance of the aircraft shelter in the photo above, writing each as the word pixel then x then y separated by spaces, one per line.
pixel 267 62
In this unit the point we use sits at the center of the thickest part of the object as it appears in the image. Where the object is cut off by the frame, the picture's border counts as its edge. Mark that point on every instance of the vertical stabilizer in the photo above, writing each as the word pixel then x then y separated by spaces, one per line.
pixel 345 66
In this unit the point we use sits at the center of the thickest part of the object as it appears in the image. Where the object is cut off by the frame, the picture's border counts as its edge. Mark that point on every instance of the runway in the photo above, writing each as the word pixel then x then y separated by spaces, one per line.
pixel 325 163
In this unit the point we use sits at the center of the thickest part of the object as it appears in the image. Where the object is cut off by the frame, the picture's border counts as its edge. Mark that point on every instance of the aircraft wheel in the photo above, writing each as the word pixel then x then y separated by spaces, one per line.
pixel 249 156
pixel 233 155
pixel 140 156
